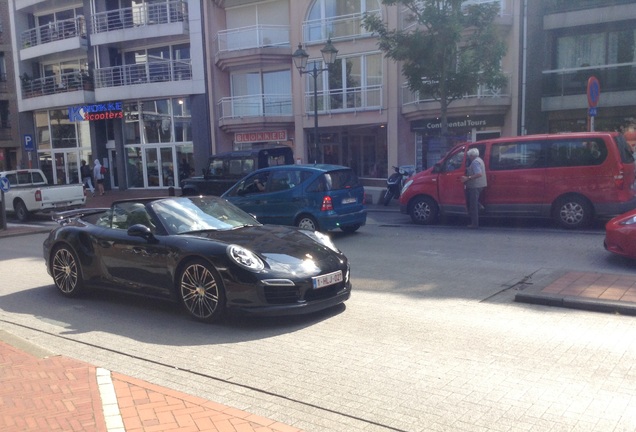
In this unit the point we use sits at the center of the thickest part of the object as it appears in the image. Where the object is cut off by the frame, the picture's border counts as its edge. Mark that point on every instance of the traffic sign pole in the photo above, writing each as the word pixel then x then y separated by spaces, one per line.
pixel 593 94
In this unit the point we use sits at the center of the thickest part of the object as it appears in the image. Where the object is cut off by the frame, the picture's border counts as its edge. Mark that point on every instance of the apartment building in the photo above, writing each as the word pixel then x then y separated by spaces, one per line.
pixel 121 81
pixel 8 105
pixel 367 118
pixel 150 86
pixel 568 42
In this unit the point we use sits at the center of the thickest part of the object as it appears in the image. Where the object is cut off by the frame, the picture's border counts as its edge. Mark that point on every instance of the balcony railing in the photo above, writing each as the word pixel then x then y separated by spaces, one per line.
pixel 144 73
pixel 261 105
pixel 336 28
pixel 252 37
pixel 556 6
pixel 140 15
pixel 351 99
pixel 573 81
pixel 480 92
pixel 55 31
pixel 61 83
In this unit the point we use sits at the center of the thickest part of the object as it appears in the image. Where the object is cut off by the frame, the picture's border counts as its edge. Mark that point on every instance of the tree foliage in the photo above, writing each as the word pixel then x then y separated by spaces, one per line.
pixel 447 48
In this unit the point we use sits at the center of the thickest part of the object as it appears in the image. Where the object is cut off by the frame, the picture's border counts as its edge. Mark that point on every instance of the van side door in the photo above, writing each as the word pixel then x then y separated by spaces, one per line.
pixel 450 187
pixel 516 178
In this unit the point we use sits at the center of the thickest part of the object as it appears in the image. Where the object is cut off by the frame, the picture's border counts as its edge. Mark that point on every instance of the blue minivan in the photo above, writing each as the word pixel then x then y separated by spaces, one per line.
pixel 313 197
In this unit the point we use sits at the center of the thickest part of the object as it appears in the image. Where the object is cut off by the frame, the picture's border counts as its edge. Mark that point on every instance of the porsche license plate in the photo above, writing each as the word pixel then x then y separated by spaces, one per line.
pixel 349 200
pixel 326 280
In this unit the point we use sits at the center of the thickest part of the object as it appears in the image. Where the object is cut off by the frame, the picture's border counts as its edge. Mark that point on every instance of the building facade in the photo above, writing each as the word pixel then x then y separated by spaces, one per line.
pixel 9 136
pixel 568 43
pixel 116 80
pixel 367 118
pixel 151 87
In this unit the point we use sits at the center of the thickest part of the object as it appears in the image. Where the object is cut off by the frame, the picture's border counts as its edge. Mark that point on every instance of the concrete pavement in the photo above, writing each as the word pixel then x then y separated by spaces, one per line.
pixel 46 391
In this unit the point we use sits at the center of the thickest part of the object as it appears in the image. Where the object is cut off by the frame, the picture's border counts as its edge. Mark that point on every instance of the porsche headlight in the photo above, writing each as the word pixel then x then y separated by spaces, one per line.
pixel 245 258
pixel 321 238
pixel 630 221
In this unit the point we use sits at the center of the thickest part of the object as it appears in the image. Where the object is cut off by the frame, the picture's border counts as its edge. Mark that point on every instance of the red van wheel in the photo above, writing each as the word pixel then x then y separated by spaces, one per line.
pixel 424 211
pixel 573 212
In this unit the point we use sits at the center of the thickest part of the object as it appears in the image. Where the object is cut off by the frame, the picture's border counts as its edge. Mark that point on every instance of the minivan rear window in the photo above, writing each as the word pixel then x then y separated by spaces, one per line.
pixel 577 152
pixel 624 149
pixel 335 180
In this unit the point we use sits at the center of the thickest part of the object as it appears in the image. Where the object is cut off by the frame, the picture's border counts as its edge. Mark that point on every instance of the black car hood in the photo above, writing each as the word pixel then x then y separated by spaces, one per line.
pixel 274 242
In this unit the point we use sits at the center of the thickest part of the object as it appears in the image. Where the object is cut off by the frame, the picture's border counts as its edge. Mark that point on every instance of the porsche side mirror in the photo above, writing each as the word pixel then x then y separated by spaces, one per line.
pixel 139 230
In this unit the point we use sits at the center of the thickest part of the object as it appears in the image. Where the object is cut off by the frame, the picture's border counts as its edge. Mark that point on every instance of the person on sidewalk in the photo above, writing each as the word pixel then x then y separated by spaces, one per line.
pixel 98 175
pixel 474 182
pixel 87 177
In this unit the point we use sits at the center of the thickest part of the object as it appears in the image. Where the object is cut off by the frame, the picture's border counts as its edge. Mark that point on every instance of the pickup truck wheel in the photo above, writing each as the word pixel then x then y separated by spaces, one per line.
pixel 21 211
pixel 424 211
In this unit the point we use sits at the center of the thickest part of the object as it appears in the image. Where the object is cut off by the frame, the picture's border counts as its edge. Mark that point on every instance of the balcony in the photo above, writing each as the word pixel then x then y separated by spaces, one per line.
pixel 143 73
pixel 556 6
pixel 353 99
pixel 139 22
pixel 53 38
pixel 262 44
pixel 55 84
pixel 345 27
pixel 566 88
pixel 483 100
pixel 42 93
pixel 263 109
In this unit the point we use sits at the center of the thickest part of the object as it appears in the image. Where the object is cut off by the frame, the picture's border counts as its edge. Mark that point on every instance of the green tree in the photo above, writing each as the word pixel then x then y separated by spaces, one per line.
pixel 447 50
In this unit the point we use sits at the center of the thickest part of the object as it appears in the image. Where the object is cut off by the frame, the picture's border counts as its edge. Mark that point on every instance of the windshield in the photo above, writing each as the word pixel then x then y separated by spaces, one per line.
pixel 187 214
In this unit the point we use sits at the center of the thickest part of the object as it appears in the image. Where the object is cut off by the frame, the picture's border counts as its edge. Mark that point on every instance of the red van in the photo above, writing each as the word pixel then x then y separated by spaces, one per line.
pixel 572 178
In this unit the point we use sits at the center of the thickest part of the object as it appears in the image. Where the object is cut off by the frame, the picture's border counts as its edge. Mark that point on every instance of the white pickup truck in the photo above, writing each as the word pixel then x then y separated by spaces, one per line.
pixel 29 192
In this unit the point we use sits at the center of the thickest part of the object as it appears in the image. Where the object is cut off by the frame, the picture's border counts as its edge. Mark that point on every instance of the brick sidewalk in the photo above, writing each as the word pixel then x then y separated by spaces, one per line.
pixel 59 393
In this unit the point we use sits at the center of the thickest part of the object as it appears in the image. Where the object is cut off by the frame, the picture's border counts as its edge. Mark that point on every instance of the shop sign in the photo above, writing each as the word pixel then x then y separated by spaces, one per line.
pixel 435 125
pixel 105 111
pixel 247 137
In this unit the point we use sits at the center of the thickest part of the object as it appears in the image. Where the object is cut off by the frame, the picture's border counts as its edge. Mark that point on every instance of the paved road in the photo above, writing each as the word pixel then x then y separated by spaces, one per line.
pixel 431 339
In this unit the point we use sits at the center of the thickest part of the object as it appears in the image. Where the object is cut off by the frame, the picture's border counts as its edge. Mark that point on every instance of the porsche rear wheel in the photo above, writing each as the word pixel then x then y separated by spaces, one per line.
pixel 201 291
pixel 66 271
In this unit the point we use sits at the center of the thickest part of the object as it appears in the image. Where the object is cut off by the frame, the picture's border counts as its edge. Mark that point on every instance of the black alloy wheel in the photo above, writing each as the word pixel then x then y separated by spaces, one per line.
pixel 201 291
pixel 66 271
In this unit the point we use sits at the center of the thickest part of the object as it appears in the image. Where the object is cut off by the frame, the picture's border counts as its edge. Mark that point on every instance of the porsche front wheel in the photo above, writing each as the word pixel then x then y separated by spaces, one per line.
pixel 201 291
pixel 66 271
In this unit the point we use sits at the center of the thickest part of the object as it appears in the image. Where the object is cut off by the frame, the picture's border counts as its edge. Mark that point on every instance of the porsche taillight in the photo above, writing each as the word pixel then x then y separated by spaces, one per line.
pixel 38 195
pixel 619 180
pixel 327 205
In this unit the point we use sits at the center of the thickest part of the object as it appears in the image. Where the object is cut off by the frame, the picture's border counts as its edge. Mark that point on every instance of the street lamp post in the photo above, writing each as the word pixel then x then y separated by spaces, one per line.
pixel 329 53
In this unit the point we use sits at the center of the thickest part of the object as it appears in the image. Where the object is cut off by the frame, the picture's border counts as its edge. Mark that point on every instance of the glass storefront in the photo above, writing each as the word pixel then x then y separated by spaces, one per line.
pixel 158 142
pixel 62 144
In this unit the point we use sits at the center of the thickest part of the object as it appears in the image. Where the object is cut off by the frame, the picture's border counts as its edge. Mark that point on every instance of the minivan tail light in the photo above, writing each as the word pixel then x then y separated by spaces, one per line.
pixel 327 205
pixel 619 180
pixel 38 195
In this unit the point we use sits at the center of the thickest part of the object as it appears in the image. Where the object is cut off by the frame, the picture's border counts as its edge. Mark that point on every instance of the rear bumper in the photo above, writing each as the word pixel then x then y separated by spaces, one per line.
pixel 333 221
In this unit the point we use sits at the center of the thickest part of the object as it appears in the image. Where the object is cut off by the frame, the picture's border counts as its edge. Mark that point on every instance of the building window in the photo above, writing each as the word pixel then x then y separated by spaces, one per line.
pixel 337 19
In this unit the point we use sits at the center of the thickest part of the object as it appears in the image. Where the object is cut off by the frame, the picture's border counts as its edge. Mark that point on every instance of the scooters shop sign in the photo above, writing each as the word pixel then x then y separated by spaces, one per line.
pixel 106 111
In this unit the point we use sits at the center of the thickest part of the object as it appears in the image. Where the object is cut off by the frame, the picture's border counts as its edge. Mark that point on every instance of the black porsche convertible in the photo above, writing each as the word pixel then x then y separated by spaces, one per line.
pixel 201 251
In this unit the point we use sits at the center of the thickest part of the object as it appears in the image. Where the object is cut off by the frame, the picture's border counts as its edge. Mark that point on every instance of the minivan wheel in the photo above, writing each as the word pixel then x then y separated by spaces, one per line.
pixel 573 212
pixel 307 222
pixel 424 211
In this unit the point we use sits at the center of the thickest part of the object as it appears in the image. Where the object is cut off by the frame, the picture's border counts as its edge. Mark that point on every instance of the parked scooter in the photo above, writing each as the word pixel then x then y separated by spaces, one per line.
pixel 395 182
